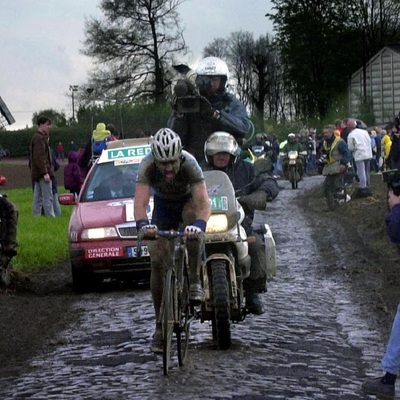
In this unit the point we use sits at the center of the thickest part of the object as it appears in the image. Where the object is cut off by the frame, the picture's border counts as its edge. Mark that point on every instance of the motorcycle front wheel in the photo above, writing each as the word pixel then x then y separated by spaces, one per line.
pixel 221 303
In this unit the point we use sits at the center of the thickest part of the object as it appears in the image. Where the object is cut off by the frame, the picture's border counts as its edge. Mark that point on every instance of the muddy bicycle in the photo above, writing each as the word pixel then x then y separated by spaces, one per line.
pixel 176 312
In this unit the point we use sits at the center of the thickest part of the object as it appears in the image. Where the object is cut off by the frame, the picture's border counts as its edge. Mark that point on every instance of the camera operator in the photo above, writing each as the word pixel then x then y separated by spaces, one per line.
pixel 385 385
pixel 206 107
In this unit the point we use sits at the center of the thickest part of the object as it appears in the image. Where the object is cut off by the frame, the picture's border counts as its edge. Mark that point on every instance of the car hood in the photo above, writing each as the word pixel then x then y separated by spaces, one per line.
pixel 107 213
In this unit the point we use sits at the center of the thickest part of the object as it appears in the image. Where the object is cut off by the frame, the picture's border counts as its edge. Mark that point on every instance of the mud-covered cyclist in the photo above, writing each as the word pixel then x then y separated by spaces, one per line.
pixel 180 195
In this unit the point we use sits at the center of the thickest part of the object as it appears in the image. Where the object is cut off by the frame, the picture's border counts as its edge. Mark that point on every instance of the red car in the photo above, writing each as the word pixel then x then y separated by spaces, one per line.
pixel 102 231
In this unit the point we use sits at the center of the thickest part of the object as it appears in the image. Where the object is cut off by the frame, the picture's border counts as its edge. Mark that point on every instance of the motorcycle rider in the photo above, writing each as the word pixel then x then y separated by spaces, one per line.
pixel 255 186
pixel 180 195
pixel 293 145
pixel 219 110
pixel 336 158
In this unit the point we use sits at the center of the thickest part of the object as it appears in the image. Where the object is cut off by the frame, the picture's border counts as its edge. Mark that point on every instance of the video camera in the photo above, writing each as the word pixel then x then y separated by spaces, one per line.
pixel 392 178
pixel 323 160
pixel 187 97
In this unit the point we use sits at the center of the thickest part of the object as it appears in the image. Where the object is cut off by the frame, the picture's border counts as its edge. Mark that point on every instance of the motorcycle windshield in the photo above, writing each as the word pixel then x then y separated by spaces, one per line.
pixel 221 192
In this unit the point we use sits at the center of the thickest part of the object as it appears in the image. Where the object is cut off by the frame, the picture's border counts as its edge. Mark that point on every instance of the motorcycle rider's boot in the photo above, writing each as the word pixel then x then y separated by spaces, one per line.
pixel 157 340
pixel 254 304
pixel 196 293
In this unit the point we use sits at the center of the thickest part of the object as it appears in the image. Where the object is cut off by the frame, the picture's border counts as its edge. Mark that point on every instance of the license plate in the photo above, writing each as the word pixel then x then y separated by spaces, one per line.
pixel 132 251
pixel 219 203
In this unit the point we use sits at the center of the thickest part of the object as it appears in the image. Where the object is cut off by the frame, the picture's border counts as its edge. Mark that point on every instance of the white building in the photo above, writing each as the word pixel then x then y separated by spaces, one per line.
pixel 382 83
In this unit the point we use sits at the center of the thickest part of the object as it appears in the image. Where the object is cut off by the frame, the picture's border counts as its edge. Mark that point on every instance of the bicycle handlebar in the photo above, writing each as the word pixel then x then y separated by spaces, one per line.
pixel 169 234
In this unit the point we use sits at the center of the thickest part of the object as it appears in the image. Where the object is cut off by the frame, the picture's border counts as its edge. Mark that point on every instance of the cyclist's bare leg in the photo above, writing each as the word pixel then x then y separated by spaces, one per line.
pixel 194 252
pixel 159 255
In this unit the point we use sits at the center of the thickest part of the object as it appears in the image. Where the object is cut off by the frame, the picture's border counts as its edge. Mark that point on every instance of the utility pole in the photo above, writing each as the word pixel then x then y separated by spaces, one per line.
pixel 73 89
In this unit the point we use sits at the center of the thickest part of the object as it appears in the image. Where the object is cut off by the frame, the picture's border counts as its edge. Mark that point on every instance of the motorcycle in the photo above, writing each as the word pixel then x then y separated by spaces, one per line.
pixel 226 262
pixel 258 151
pixel 293 172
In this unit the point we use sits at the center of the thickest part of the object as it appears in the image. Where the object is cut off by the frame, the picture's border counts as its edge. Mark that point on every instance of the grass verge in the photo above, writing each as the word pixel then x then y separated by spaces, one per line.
pixel 42 241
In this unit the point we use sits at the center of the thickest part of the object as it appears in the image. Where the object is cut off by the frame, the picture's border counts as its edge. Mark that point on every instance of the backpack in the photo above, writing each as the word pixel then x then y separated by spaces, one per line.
pixel 99 145
pixel 100 137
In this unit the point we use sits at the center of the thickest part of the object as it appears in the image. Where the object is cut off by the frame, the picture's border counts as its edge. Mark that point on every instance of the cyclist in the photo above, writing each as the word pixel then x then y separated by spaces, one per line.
pixel 180 195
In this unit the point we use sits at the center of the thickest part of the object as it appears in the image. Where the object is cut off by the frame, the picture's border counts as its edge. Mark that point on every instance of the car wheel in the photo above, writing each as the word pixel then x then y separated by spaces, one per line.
pixel 82 281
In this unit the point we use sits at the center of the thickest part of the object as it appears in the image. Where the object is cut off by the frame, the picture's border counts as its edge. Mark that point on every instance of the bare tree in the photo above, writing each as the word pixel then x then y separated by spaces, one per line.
pixel 255 72
pixel 217 48
pixel 131 46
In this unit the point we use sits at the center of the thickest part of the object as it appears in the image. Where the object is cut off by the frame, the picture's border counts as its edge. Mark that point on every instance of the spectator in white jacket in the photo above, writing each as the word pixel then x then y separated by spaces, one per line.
pixel 359 144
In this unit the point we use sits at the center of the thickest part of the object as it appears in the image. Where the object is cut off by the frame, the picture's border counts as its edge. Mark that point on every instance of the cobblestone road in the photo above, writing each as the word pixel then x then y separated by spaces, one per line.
pixel 310 344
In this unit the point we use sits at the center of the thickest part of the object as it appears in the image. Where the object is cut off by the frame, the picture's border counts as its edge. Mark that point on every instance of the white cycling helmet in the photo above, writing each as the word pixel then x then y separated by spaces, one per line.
pixel 166 145
pixel 211 66
pixel 220 142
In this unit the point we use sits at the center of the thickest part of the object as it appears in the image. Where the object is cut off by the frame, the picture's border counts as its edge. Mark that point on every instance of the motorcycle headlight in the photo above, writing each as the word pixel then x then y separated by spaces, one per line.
pixel 99 233
pixel 217 223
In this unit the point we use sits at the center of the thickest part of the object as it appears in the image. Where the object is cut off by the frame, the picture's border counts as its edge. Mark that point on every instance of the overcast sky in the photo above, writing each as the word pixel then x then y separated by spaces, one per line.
pixel 41 42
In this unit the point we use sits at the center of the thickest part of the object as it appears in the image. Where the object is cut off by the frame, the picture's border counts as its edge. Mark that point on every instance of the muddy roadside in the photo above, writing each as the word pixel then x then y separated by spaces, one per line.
pixel 370 263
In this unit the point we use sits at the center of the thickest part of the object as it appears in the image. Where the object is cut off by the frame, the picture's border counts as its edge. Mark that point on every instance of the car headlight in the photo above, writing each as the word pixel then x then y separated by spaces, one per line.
pixel 217 223
pixel 99 233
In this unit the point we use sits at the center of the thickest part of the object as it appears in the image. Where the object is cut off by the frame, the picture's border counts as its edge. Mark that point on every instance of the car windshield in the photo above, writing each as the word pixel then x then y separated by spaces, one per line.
pixel 110 180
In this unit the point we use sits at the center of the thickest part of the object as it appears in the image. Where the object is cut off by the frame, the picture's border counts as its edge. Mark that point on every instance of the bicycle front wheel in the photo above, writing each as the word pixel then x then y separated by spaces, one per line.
pixel 168 317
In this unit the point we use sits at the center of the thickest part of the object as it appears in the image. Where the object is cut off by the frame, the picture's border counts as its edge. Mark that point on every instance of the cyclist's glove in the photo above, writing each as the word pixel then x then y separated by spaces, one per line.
pixel 193 231
pixel 149 230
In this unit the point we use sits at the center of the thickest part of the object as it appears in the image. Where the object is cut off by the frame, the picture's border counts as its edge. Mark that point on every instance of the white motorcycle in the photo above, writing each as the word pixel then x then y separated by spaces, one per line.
pixel 226 260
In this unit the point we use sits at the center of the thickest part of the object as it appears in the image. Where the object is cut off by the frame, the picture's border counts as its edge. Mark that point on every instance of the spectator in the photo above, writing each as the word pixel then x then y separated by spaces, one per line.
pixel 385 385
pixel 72 146
pixel 374 162
pixel 338 127
pixel 335 159
pixel 386 145
pixel 60 151
pixel 54 184
pixel 345 130
pixel 359 144
pixel 85 158
pixel 275 154
pixel 393 159
pixel 311 153
pixel 42 171
pixel 113 131
pixel 72 174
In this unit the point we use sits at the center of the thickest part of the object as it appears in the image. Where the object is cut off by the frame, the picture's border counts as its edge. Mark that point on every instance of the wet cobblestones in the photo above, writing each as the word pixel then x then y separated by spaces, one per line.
pixel 311 343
